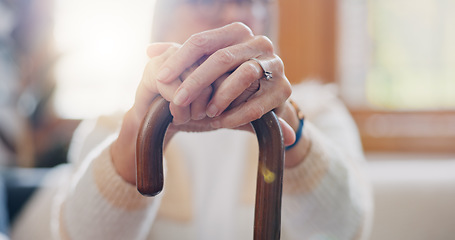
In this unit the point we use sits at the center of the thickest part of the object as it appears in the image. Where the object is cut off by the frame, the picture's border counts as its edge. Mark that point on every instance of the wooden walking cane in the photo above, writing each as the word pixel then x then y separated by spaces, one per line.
pixel 149 162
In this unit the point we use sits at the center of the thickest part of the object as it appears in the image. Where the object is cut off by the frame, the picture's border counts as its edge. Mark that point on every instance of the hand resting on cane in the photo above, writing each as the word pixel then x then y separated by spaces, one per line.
pixel 212 71
pixel 211 82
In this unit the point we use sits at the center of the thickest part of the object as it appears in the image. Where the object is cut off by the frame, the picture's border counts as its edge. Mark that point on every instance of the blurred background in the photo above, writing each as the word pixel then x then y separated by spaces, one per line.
pixel 393 62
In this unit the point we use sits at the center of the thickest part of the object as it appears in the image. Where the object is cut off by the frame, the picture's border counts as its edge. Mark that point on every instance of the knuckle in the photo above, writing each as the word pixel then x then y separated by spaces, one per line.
pixel 199 40
pixel 253 87
pixel 279 64
pixel 224 56
pixel 243 29
pixel 250 70
pixel 282 81
pixel 287 89
pixel 194 81
pixel 266 43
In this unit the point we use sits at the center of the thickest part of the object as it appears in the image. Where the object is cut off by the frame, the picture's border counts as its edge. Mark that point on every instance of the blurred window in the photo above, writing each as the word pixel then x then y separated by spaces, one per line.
pixel 413 54
pixel 408 53
pixel 393 60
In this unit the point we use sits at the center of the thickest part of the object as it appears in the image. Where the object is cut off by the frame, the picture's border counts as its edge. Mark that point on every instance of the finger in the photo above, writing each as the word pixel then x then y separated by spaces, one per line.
pixel 250 91
pixel 199 105
pixel 260 103
pixel 147 89
pixel 181 115
pixel 156 49
pixel 243 81
pixel 167 90
pixel 220 62
pixel 239 81
pixel 198 45
pixel 287 131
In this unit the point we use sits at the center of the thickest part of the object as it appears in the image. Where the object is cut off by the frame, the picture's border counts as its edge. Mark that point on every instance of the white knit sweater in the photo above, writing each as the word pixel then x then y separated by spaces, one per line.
pixel 209 185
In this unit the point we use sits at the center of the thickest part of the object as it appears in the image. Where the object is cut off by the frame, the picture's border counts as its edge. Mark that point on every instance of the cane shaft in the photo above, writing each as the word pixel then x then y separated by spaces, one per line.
pixel 149 162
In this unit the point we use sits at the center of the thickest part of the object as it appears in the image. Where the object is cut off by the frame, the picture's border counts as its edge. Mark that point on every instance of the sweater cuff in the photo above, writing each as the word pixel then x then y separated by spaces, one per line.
pixel 113 188
pixel 304 177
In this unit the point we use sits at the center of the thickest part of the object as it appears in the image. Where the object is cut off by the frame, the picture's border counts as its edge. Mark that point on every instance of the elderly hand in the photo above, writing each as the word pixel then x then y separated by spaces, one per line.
pixel 211 81
pixel 242 96
pixel 123 149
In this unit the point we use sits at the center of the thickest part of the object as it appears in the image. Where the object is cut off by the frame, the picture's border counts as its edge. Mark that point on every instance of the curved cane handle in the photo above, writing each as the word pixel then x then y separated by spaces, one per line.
pixel 149 162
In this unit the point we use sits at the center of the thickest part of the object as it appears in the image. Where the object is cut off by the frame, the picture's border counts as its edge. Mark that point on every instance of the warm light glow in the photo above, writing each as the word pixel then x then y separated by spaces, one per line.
pixel 103 46
pixel 268 175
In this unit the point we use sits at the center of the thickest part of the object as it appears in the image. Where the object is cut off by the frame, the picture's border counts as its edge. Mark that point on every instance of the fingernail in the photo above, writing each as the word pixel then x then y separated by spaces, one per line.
pixel 163 74
pixel 181 97
pixel 215 124
pixel 212 111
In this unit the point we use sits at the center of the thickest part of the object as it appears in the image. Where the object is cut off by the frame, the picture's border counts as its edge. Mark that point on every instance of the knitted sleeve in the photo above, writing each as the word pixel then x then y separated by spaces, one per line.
pixel 98 204
pixel 87 199
pixel 327 195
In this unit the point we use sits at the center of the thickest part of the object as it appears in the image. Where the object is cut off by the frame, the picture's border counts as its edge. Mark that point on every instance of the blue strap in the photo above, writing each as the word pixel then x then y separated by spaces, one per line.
pixel 298 135
pixel 3 210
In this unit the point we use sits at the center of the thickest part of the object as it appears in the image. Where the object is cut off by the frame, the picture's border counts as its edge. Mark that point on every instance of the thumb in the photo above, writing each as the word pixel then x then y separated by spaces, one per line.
pixel 288 132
